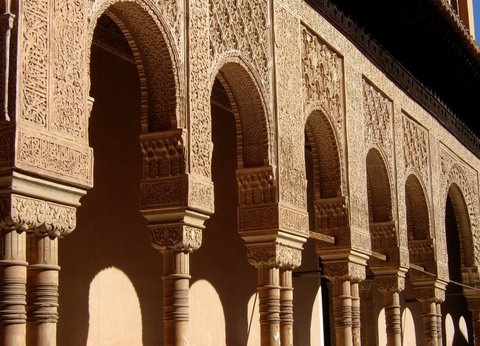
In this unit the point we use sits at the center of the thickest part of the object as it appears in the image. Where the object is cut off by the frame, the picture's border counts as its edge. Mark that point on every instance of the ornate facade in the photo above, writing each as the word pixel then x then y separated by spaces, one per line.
pixel 256 118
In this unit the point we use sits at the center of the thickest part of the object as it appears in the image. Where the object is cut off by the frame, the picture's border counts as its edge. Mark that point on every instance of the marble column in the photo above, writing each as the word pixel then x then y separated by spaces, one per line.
pixel 13 278
pixel 393 318
pixel 356 317
pixel 430 324
pixel 269 305
pixel 342 311
pixel 286 307
pixel 368 324
pixel 42 290
pixel 176 283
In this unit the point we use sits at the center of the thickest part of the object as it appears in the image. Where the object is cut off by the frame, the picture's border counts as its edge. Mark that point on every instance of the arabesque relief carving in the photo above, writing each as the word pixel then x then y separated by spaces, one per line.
pixel 416 149
pixel 30 214
pixel 275 255
pixel 292 180
pixel 68 117
pixel 323 77
pixel 35 62
pixel 241 26
pixel 378 117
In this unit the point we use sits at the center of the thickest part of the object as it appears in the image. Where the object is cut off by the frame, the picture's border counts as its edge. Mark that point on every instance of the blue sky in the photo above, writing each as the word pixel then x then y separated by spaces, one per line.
pixel 476 12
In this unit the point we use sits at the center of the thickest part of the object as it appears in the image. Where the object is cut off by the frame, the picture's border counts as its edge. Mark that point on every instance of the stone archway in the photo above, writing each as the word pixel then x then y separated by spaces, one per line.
pixel 459 239
pixel 154 55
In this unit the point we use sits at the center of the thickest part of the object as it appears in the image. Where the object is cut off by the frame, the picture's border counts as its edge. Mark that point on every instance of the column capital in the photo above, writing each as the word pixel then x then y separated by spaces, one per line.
pixel 37 205
pixel 179 231
pixel 390 282
pixel 274 255
pixel 430 290
pixel 349 266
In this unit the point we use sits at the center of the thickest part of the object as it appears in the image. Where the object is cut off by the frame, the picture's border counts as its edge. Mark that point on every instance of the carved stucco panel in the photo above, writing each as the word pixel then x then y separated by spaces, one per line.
pixel 34 61
pixel 241 26
pixel 416 155
pixel 357 178
pixel 68 75
pixel 54 157
pixel 378 117
pixel 323 80
pixel 290 115
pixel 201 146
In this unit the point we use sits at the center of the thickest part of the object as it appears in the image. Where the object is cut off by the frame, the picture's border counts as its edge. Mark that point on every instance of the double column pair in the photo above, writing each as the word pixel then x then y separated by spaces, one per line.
pixel 29 289
pixel 274 263
pixel 345 278
pixel 33 214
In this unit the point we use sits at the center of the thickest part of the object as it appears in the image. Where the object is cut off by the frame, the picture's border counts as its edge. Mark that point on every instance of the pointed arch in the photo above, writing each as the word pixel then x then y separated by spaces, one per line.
pixel 418 216
pixel 420 242
pixel 154 56
pixel 242 89
pixel 378 188
pixel 320 139
pixel 462 218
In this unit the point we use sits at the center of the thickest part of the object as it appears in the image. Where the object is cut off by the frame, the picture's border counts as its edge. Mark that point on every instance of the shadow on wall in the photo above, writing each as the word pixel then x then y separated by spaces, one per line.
pixel 110 230
pixel 115 317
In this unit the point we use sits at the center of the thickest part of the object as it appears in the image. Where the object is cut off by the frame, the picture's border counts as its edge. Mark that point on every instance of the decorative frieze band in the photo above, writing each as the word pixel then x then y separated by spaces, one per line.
pixel 53 157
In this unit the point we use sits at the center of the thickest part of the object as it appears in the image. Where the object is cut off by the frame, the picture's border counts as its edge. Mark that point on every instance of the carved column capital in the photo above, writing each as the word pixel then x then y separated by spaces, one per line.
pixel 182 238
pixel 390 283
pixel 274 255
pixel 432 291
pixel 39 206
pixel 347 266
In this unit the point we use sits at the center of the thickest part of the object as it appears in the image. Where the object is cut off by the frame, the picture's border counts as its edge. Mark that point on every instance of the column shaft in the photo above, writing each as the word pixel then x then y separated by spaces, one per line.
pixel 342 311
pixel 42 291
pixel 393 318
pixel 476 326
pixel 356 323
pixel 269 304
pixel 439 325
pixel 286 307
pixel 13 278
pixel 176 283
pixel 430 325
pixel 368 327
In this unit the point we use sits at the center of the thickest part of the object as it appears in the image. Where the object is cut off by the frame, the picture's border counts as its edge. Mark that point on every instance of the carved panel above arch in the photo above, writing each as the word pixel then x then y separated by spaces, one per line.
pixel 416 154
pixel 241 25
pixel 378 118
pixel 323 78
